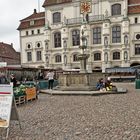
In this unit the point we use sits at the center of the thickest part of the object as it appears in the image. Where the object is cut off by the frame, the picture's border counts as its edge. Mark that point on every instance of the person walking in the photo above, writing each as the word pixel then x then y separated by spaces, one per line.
pixel 50 77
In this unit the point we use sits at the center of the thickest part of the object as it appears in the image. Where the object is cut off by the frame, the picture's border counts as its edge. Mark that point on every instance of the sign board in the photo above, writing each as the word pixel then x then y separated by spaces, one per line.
pixel 6 98
pixel 3 64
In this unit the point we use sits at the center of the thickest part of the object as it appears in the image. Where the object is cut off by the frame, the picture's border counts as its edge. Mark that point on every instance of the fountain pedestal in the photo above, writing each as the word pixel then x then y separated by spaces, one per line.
pixel 83 60
pixel 79 81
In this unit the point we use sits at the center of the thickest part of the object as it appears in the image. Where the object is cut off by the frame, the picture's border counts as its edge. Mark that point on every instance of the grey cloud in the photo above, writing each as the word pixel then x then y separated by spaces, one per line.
pixel 11 12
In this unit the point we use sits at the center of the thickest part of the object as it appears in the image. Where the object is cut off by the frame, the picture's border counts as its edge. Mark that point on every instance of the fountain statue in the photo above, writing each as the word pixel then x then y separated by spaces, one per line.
pixel 83 56
pixel 82 81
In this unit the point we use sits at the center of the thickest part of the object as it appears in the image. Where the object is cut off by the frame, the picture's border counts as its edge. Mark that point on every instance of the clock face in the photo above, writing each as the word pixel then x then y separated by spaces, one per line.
pixel 85 7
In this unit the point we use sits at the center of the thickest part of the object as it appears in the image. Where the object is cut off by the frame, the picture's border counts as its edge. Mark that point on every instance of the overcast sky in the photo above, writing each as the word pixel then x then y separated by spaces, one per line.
pixel 11 12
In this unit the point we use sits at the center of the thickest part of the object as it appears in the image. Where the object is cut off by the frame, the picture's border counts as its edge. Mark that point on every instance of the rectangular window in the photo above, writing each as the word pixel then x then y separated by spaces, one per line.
pixel 116 34
pixel 32 32
pixel 27 33
pixel 97 35
pixel 38 56
pixel 56 17
pixel 29 56
pixel 137 49
pixel 136 20
pixel 75 37
pixel 38 31
pixel 57 40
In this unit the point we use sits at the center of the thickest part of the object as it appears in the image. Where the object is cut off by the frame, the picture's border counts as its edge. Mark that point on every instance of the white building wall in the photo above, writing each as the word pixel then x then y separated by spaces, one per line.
pixel 69 11
pixel 33 40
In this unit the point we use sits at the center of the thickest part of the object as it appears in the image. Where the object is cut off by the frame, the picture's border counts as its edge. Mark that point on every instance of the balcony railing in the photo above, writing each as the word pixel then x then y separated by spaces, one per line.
pixel 79 20
pixel 74 21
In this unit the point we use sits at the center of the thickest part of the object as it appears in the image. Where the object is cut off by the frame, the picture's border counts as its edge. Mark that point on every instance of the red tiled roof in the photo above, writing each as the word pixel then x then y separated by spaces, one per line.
pixel 54 2
pixel 7 52
pixel 38 18
pixel 133 2
pixel 35 16
pixel 134 9
pixel 133 6
pixel 26 24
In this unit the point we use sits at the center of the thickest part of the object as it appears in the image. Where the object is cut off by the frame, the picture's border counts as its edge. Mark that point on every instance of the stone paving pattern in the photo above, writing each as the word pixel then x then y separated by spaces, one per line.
pixel 104 117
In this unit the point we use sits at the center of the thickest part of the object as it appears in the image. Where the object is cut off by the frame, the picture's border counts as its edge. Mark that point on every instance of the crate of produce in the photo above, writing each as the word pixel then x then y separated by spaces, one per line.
pixel 20 100
pixel 31 93
pixel 19 91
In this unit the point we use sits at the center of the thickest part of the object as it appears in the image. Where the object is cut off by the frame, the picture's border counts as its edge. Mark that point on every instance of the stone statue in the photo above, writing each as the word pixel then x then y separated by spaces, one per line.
pixel 106 57
pixel 125 39
pixel 106 41
pixel 106 13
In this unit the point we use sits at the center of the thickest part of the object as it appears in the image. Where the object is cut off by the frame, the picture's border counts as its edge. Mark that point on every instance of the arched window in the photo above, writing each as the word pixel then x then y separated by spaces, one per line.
pixel 57 40
pixel 97 35
pixel 75 37
pixel 116 55
pixel 58 58
pixel 75 58
pixel 116 9
pixel 56 17
pixel 38 45
pixel 116 34
pixel 97 56
pixel 28 46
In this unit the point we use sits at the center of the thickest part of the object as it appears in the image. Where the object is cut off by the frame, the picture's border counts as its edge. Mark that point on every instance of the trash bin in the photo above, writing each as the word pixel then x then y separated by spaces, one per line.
pixel 137 83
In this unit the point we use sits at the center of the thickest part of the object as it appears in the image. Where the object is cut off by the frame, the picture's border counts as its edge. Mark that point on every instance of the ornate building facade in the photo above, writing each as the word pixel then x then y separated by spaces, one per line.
pixel 52 38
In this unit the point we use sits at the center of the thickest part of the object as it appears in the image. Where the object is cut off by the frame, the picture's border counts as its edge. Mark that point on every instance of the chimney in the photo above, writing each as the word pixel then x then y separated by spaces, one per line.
pixel 11 44
pixel 35 11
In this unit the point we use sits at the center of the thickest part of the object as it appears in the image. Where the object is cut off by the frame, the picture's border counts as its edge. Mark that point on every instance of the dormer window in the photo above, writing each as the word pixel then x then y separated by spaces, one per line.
pixel 116 9
pixel 57 17
pixel 32 22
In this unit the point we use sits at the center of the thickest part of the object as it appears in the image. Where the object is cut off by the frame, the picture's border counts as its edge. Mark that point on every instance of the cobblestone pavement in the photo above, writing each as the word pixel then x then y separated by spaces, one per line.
pixel 104 117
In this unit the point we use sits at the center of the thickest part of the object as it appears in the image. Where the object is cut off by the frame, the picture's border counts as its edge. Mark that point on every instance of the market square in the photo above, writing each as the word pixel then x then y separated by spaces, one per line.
pixel 103 117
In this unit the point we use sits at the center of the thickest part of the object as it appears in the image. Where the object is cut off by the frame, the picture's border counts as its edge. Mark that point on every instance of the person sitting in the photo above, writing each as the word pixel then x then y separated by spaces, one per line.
pixel 109 86
pixel 100 84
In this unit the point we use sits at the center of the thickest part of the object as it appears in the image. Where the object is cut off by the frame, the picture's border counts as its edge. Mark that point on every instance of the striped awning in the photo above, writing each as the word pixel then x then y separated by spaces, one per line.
pixel 119 69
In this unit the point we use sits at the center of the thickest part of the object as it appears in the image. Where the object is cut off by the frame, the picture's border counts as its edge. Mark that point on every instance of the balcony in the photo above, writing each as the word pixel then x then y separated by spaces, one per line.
pixel 79 20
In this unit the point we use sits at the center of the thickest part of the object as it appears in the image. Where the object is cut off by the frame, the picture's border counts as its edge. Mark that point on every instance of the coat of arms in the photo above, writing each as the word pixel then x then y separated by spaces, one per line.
pixel 85 7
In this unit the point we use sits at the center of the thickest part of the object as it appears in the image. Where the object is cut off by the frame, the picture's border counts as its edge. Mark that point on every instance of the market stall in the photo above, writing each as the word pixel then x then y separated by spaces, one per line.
pixel 24 93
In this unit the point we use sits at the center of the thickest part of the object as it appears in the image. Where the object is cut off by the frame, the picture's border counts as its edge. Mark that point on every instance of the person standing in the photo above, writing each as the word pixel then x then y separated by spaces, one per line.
pixel 13 80
pixel 50 77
